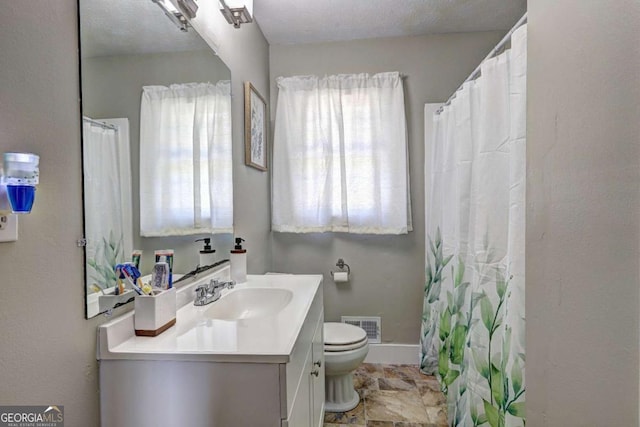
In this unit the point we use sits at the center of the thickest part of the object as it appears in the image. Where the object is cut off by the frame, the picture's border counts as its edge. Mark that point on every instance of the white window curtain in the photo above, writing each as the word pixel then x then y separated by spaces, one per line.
pixel 340 155
pixel 185 160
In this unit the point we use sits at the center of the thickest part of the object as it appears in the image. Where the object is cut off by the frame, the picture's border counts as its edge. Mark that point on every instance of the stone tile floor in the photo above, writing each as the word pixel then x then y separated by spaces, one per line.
pixel 393 396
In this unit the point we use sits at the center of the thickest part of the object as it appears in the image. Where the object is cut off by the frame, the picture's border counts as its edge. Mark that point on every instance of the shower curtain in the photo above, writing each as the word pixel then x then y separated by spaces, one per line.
pixel 107 200
pixel 473 325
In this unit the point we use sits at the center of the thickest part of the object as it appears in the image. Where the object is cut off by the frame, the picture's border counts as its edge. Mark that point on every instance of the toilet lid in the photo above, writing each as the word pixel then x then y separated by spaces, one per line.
pixel 343 334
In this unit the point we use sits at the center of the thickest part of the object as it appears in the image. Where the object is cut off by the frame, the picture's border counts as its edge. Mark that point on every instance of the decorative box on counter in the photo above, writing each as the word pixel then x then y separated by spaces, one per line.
pixel 155 314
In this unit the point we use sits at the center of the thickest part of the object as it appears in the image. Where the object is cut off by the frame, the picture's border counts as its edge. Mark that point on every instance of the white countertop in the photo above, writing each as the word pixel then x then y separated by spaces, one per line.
pixel 197 338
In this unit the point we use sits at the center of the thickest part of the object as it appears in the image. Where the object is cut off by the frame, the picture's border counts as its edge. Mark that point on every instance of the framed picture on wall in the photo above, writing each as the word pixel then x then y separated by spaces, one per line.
pixel 255 128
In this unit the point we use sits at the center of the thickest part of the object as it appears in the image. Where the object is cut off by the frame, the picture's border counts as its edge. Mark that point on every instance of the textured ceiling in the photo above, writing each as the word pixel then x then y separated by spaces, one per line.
pixel 121 27
pixel 306 21
pixel 117 27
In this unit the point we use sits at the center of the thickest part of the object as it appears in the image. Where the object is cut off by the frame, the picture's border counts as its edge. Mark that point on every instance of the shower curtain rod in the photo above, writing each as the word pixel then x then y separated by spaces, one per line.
pixel 491 54
pixel 103 125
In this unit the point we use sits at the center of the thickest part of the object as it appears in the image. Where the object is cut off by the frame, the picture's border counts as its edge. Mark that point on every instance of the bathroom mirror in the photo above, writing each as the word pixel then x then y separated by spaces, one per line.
pixel 126 45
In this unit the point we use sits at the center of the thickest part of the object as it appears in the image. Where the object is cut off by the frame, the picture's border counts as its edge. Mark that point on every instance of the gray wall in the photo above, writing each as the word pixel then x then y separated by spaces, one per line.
pixel 246 53
pixel 111 87
pixel 47 350
pixel 388 271
pixel 582 250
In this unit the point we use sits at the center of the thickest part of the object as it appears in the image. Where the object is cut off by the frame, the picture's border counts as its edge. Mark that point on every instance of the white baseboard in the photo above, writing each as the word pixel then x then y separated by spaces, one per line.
pixel 394 354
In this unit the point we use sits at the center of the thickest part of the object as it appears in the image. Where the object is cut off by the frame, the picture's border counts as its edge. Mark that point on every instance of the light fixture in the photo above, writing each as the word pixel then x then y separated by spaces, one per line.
pixel 20 177
pixel 237 11
pixel 174 14
pixel 188 8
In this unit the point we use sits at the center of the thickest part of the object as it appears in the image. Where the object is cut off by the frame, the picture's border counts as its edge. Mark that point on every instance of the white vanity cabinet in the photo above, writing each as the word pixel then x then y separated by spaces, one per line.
pixel 184 377
pixel 305 376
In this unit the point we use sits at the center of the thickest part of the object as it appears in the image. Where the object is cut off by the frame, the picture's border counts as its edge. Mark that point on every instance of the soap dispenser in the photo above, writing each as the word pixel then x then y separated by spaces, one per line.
pixel 239 262
pixel 207 255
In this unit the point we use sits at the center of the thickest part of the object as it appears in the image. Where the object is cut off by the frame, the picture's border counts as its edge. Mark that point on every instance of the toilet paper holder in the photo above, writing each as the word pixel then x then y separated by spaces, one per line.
pixel 341 265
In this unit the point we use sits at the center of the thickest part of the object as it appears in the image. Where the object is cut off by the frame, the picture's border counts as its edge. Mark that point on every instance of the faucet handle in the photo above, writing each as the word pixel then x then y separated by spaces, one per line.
pixel 231 284
pixel 201 291
pixel 213 284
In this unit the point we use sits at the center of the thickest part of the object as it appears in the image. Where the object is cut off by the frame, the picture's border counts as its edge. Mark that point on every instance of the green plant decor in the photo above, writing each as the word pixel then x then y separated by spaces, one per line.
pixel 101 267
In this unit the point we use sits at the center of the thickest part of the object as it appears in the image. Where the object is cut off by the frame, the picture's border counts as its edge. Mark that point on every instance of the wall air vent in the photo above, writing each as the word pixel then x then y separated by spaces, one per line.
pixel 371 326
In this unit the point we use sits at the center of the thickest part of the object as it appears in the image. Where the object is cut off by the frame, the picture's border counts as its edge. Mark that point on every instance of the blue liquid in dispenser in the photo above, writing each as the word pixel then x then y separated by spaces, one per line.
pixel 21 197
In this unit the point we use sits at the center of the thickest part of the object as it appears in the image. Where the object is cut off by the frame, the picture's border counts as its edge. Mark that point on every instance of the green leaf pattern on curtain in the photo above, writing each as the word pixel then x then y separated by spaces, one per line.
pixel 108 253
pixel 477 369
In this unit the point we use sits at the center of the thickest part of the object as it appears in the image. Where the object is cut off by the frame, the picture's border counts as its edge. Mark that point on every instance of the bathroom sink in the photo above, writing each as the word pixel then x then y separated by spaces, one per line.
pixel 249 303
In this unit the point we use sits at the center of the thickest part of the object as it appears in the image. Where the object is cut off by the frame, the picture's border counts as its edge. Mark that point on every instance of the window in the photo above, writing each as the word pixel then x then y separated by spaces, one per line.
pixel 340 155
pixel 185 160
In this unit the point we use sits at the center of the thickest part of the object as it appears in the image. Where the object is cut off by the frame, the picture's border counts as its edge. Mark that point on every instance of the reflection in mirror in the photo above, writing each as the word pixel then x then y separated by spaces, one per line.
pixel 130 48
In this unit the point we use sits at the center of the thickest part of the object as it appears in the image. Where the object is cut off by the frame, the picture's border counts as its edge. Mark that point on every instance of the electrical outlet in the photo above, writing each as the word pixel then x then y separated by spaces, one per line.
pixel 8 228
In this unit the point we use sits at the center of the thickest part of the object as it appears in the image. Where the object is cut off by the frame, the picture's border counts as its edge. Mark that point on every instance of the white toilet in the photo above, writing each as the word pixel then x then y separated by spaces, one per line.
pixel 345 347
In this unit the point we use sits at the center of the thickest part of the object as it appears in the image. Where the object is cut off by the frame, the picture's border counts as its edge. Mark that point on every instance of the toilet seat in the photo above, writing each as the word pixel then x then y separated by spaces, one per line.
pixel 343 337
pixel 340 348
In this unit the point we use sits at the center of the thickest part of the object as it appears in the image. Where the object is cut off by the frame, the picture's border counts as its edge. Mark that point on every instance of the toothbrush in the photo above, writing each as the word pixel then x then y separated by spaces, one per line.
pixel 126 271
pixel 129 280
pixel 135 287
pixel 97 289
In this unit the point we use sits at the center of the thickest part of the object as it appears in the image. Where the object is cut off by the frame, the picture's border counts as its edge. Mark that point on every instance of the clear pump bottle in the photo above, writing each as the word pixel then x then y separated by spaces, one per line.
pixel 239 262
pixel 207 255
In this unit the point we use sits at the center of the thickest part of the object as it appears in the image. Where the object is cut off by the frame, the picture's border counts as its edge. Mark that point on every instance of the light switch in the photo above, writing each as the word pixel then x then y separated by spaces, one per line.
pixel 8 227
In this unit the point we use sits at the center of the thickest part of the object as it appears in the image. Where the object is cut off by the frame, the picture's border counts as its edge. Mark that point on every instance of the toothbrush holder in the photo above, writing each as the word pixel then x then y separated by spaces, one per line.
pixel 156 313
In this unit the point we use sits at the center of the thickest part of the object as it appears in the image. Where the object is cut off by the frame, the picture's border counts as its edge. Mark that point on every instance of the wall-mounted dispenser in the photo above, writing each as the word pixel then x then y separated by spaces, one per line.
pixel 20 176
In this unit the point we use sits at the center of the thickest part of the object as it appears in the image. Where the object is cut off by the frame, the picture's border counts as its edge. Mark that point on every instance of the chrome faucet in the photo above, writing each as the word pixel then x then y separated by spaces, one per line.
pixel 206 294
